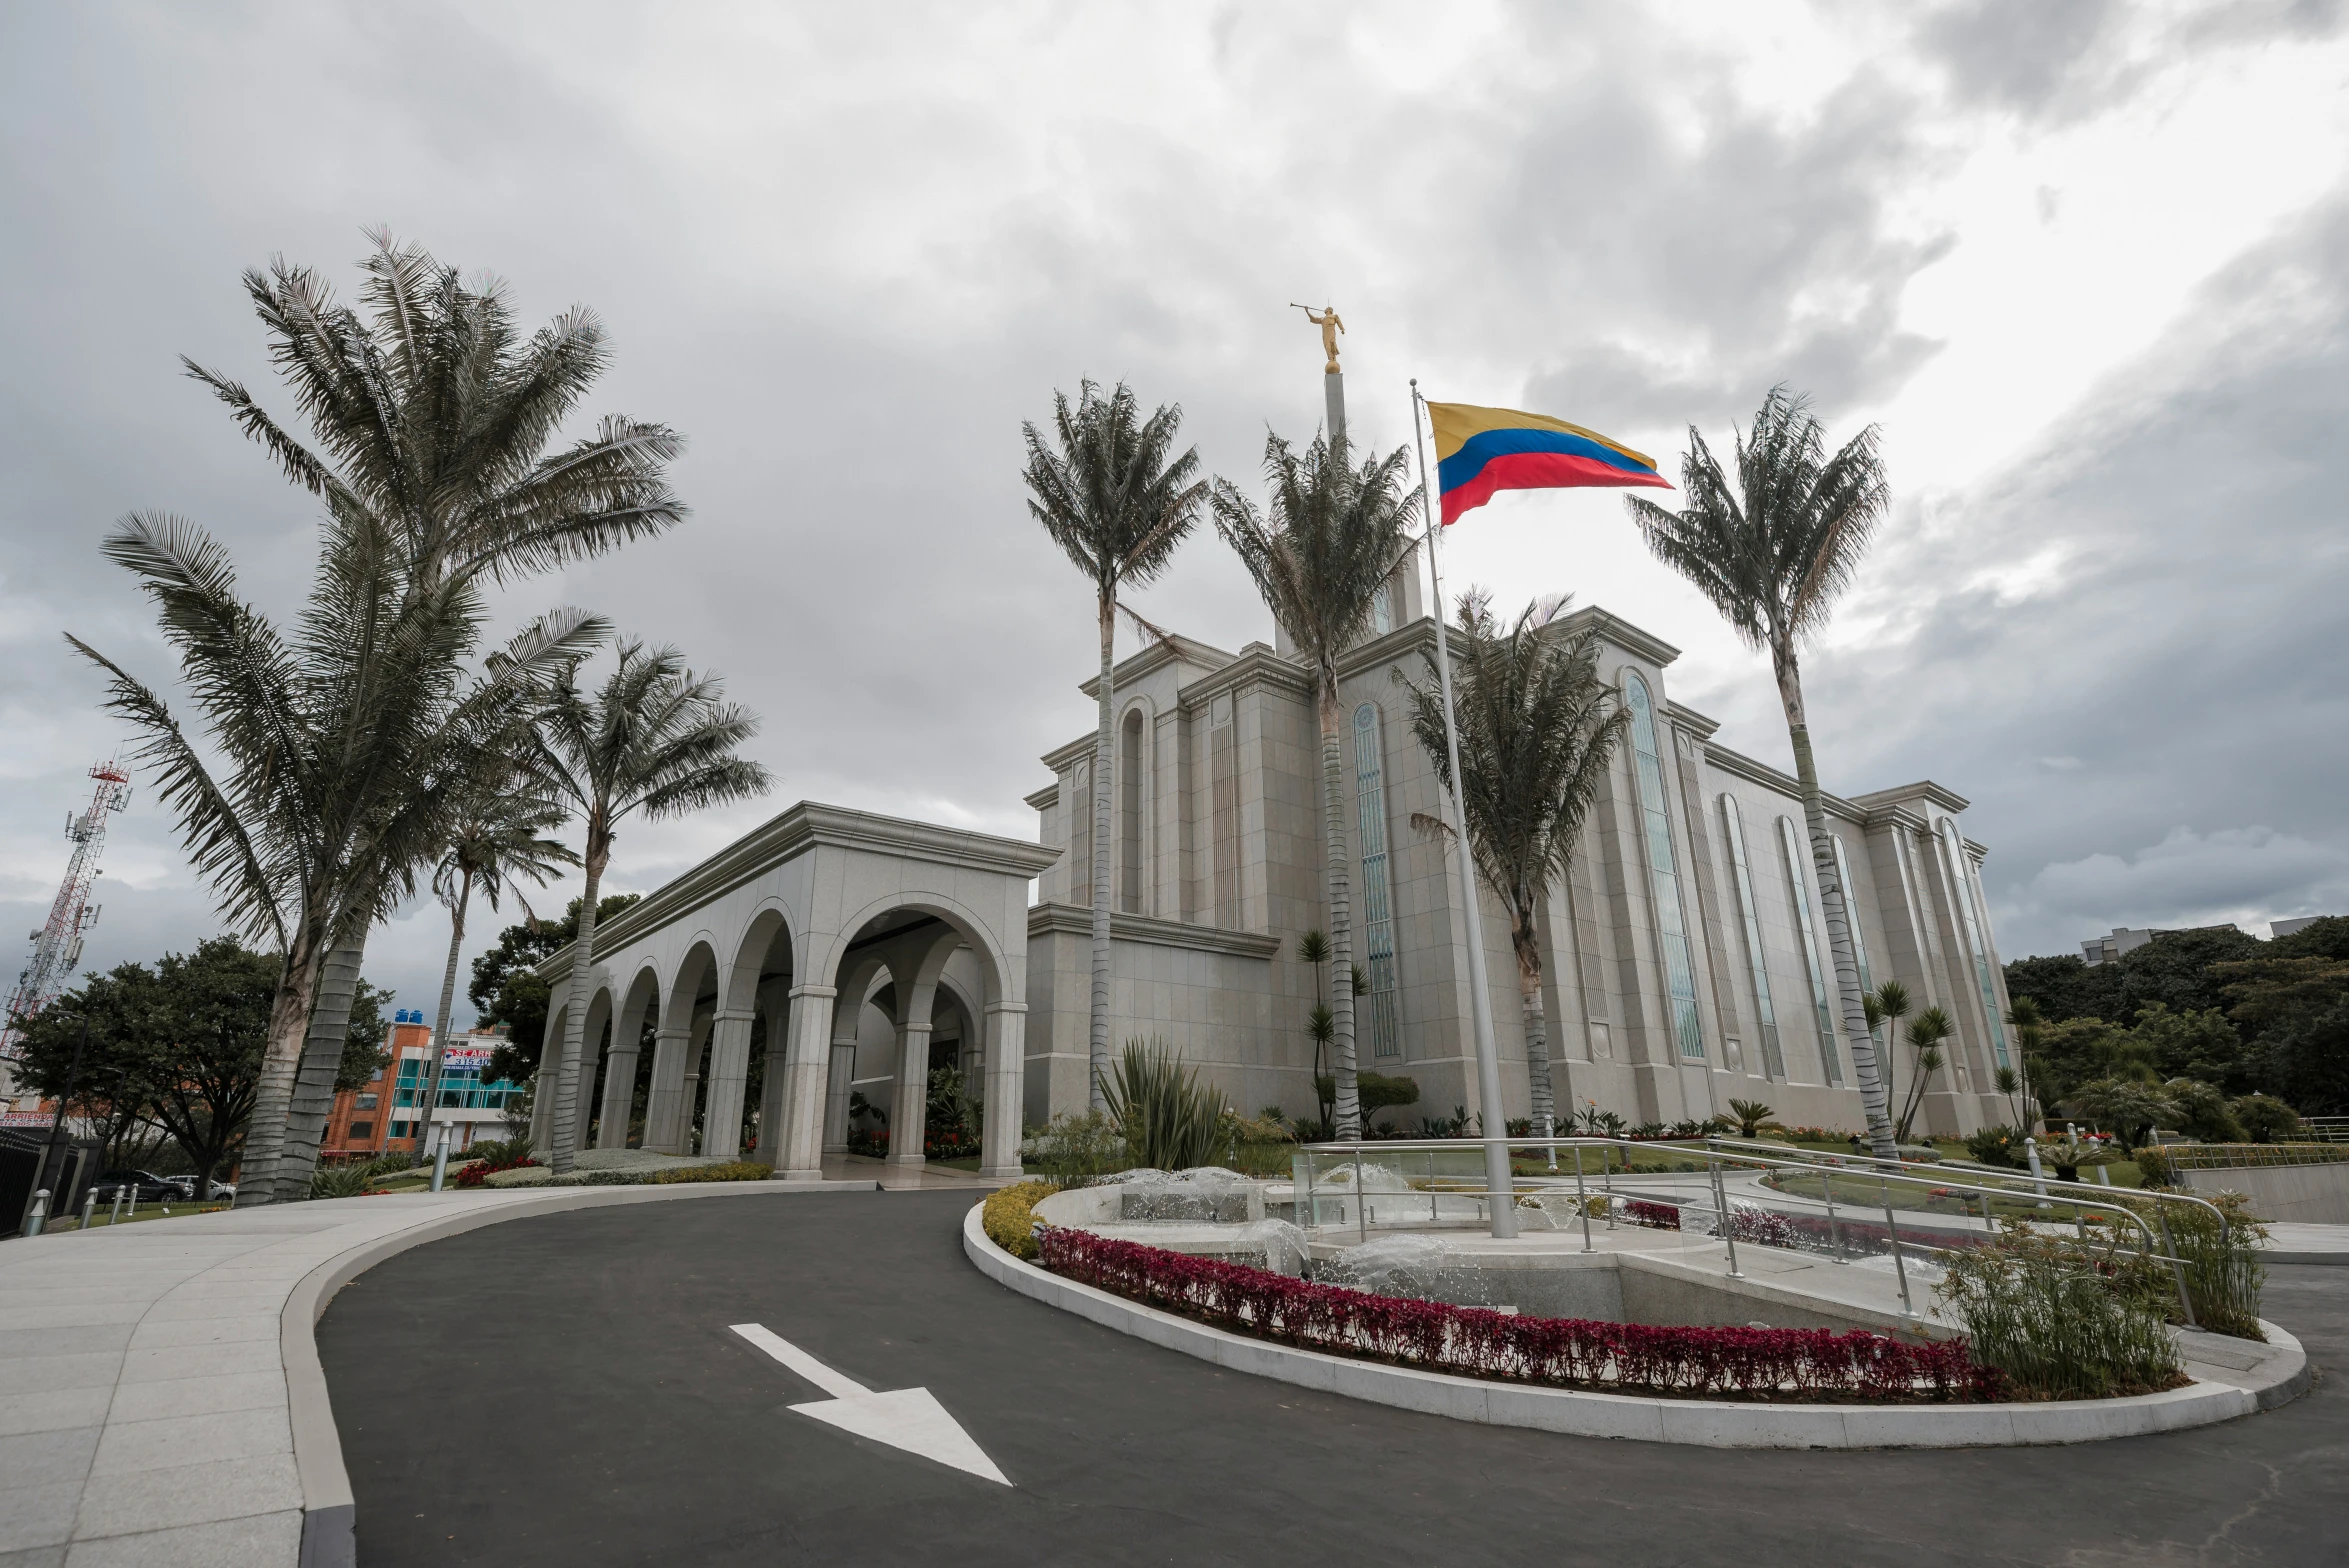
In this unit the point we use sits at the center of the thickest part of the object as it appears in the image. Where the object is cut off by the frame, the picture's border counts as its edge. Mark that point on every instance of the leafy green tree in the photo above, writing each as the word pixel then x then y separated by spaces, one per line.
pixel 1117 501
pixel 1773 550
pixel 363 1050
pixel 2199 1045
pixel 654 739
pixel 179 1046
pixel 429 421
pixel 1320 553
pixel 2128 1108
pixel 2066 986
pixel 2202 1111
pixel 506 989
pixel 1537 728
pixel 2264 1118
pixel 2175 969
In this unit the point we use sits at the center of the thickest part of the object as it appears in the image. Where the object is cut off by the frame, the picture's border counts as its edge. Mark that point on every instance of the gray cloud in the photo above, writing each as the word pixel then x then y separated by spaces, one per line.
pixel 847 261
pixel 2153 720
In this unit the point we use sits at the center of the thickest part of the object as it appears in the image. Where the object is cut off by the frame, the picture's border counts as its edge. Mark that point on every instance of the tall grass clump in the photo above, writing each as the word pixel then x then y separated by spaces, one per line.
pixel 2062 1321
pixel 1169 1114
pixel 2224 1274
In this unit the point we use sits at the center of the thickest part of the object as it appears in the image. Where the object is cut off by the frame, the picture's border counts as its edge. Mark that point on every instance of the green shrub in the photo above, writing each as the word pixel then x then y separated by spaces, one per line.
pixel 2063 1320
pixel 1995 1146
pixel 1167 1112
pixel 1080 1147
pixel 2264 1118
pixel 732 1170
pixel 1009 1216
pixel 494 1154
pixel 1257 1145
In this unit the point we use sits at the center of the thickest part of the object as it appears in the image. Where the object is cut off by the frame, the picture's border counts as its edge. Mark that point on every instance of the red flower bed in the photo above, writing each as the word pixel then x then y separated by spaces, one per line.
pixel 1656 1216
pixel 471 1175
pixel 1749 1363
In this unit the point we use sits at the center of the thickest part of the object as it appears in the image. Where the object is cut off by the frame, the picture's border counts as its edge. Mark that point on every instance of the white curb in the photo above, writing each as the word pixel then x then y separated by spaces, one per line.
pixel 1704 1423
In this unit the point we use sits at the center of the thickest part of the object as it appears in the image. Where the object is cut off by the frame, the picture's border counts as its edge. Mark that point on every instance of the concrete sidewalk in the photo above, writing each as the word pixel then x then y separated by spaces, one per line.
pixel 160 1397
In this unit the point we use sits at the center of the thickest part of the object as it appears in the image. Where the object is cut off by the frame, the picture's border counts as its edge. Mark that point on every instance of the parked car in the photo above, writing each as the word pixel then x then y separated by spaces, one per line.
pixel 144 1186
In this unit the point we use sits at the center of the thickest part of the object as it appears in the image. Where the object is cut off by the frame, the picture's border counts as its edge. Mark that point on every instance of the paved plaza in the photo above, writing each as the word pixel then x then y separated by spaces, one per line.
pixel 593 1405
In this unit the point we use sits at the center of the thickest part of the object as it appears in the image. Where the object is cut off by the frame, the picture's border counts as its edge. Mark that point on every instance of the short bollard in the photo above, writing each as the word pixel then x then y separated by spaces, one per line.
pixel 440 1158
pixel 40 1215
pixel 89 1207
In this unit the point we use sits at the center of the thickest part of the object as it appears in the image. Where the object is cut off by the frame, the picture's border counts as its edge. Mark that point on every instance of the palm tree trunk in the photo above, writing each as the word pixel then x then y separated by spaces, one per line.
pixel 448 999
pixel 289 1020
pixel 1097 1053
pixel 1873 1100
pixel 1537 1022
pixel 323 1043
pixel 566 1118
pixel 1341 920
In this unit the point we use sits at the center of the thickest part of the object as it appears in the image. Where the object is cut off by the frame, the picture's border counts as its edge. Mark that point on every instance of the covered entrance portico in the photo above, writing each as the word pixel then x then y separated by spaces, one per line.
pixel 772 959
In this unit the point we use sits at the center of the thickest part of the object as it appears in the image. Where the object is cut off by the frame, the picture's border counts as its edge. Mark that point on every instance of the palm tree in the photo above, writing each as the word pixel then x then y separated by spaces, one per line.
pixel 346 742
pixel 1888 1001
pixel 655 739
pixel 1321 554
pixel 1536 734
pixel 1111 498
pixel 430 417
pixel 1772 551
pixel 2030 1026
pixel 499 838
pixel 1925 1036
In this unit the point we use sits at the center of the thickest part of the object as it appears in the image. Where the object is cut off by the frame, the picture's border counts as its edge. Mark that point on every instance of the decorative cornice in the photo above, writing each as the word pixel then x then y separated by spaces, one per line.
pixel 1045 798
pixel 1896 817
pixel 1946 799
pixel 1076 920
pixel 1256 663
pixel 1689 719
pixel 1612 628
pixel 1174 649
pixel 1745 767
pixel 805 826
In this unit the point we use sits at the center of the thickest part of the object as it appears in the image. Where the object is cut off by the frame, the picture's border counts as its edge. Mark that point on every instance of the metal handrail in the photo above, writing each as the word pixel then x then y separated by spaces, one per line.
pixel 2251 1156
pixel 2111 1198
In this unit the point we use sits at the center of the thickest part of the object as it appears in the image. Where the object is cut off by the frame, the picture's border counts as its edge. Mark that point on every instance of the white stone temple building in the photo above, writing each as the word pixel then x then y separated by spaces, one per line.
pixel 802 984
pixel 1686 963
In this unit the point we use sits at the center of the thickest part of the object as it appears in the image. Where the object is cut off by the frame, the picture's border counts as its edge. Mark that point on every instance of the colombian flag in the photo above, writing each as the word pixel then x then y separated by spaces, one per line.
pixel 1481 450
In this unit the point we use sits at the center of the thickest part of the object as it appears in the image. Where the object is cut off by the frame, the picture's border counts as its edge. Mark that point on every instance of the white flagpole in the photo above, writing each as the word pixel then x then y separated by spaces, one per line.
pixel 1497 1176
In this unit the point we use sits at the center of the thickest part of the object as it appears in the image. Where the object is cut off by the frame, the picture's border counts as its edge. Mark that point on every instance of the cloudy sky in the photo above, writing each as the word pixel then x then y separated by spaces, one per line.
pixel 2084 263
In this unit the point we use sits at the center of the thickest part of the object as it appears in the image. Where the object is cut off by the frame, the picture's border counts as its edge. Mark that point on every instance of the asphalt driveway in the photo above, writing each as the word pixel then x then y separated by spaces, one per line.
pixel 567 1390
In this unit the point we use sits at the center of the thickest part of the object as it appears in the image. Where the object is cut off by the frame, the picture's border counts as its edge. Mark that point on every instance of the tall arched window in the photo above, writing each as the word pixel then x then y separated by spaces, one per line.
pixel 1859 940
pixel 1664 870
pixel 1130 769
pixel 1790 845
pixel 1961 871
pixel 1733 826
pixel 1077 808
pixel 1378 921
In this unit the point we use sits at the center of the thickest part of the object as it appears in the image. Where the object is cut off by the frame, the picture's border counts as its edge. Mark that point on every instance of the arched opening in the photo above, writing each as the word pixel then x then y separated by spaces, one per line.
pixel 679 1052
pixel 920 1050
pixel 749 1054
pixel 627 1074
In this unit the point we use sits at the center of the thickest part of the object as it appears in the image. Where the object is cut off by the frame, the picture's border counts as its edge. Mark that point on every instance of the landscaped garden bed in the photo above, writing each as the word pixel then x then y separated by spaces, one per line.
pixel 1786 1365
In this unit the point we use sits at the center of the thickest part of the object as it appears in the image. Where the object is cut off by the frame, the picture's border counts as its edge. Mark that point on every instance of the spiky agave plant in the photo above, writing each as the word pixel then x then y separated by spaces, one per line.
pixel 1168 1113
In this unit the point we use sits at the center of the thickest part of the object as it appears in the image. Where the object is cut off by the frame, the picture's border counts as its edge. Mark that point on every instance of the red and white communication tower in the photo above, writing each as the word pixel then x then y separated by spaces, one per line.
pixel 57 946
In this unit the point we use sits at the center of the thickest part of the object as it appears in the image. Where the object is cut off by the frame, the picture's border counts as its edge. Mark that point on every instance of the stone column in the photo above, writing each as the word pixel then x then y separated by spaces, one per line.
pixel 689 1092
pixel 836 1092
pixel 800 1146
pixel 611 1128
pixel 909 1106
pixel 661 1119
pixel 775 1003
pixel 1007 1064
pixel 721 1127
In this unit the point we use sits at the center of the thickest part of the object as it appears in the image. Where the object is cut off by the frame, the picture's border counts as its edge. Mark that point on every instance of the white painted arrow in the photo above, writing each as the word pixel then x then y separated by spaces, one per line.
pixel 907 1418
